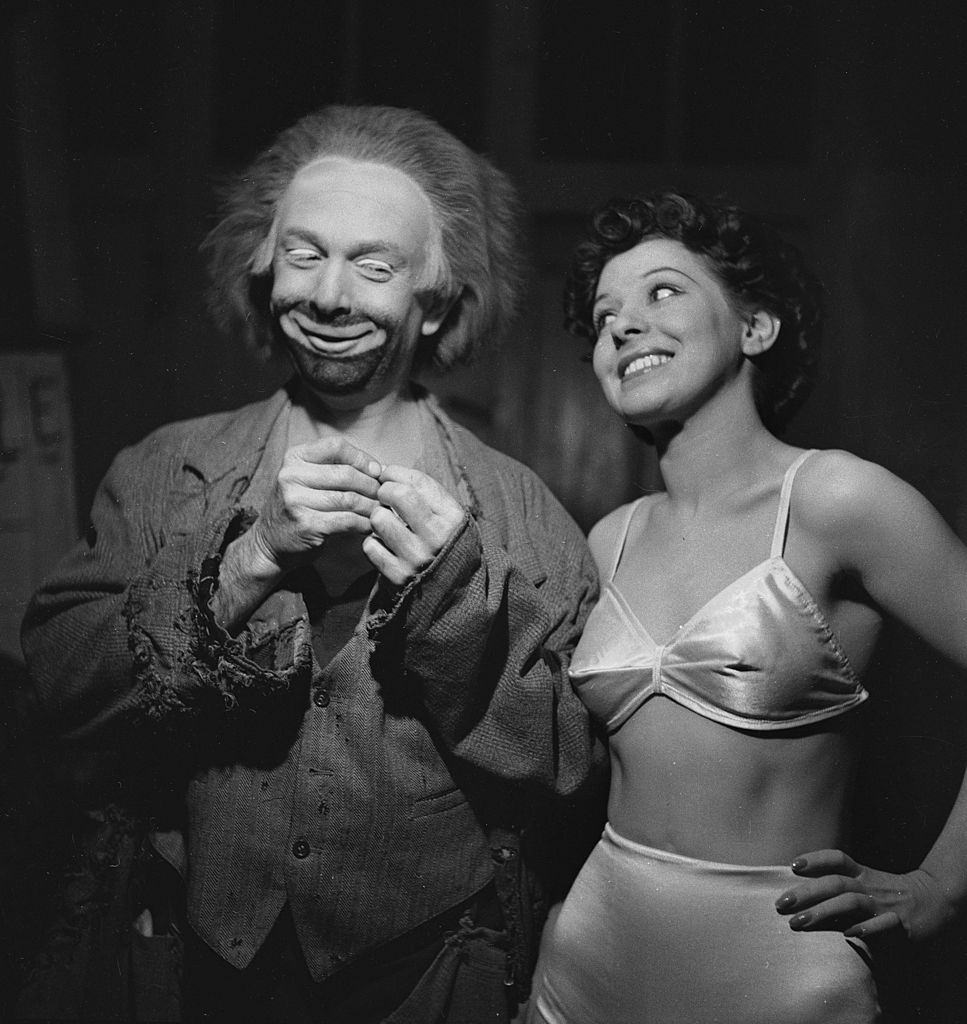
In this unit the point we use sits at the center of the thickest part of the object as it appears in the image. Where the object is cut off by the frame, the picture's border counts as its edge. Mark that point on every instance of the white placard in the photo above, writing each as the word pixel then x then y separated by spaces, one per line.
pixel 38 515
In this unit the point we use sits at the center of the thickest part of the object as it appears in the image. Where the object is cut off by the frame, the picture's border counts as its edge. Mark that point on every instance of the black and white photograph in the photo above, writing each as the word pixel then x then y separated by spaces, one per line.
pixel 483 505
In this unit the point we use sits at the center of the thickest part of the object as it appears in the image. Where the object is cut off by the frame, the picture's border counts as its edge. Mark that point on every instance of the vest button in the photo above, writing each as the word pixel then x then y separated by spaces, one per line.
pixel 321 697
pixel 502 854
pixel 300 849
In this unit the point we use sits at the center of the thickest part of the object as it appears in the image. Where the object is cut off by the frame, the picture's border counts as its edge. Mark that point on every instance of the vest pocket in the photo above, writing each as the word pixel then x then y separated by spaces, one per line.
pixel 437 803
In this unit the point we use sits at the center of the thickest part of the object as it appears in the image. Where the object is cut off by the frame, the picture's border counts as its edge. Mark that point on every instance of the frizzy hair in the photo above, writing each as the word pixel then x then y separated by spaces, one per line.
pixel 757 269
pixel 476 212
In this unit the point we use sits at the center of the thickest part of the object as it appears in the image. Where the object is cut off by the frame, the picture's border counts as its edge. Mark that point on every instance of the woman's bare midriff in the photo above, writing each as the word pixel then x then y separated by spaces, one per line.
pixel 688 785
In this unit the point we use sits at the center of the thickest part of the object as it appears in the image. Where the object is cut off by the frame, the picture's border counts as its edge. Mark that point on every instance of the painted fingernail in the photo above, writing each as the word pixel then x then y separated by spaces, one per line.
pixel 800 921
pixel 785 902
pixel 374 469
pixel 856 932
pixel 798 864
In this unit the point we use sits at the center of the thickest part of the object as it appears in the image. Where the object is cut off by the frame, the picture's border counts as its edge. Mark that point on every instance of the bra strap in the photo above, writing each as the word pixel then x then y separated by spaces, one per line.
pixel 782 516
pixel 619 548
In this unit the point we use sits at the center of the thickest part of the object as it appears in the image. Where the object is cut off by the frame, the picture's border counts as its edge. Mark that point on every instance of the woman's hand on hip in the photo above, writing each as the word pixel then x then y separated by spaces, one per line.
pixel 838 894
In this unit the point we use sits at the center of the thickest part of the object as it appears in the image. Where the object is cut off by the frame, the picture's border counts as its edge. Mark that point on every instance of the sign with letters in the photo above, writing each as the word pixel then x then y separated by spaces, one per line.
pixel 38 515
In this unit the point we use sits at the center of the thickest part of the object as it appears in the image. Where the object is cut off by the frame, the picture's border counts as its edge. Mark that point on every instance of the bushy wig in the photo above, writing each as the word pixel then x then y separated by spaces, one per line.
pixel 757 269
pixel 475 207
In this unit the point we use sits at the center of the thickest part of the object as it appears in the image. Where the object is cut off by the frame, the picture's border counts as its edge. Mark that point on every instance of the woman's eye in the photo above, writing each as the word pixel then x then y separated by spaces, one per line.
pixel 377 270
pixel 601 320
pixel 663 291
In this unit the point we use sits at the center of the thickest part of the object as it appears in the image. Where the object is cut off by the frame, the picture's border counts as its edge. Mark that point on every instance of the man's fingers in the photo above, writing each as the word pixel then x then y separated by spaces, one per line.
pixel 424 506
pixel 413 518
pixel 309 500
pixel 395 535
pixel 296 472
pixel 401 480
pixel 345 522
pixel 337 450
pixel 317 526
pixel 384 561
pixel 408 503
pixel 403 475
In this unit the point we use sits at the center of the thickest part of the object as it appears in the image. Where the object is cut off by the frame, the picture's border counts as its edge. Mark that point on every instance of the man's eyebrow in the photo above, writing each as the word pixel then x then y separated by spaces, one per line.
pixel 378 245
pixel 299 235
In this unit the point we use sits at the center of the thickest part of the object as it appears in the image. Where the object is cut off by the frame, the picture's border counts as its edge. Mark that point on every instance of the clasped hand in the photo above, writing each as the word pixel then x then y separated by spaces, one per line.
pixel 838 894
pixel 330 487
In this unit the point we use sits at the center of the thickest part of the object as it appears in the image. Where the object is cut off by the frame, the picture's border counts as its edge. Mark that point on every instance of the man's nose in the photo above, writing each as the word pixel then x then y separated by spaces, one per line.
pixel 331 290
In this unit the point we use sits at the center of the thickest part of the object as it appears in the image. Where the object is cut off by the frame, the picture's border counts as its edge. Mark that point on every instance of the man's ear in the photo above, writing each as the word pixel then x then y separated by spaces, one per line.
pixel 760 332
pixel 436 310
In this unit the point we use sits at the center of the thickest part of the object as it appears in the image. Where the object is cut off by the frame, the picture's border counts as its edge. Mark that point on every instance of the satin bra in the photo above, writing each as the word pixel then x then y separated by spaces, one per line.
pixel 758 655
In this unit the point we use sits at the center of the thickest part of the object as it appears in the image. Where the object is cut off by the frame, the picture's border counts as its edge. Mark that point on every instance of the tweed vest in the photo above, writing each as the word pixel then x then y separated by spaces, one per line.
pixel 339 802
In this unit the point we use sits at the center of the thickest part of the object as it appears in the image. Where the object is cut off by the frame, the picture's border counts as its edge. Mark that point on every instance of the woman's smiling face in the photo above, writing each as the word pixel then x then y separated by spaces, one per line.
pixel 668 336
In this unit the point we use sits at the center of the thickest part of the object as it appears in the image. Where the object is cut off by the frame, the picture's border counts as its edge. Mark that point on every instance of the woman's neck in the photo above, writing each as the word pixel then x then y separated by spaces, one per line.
pixel 709 458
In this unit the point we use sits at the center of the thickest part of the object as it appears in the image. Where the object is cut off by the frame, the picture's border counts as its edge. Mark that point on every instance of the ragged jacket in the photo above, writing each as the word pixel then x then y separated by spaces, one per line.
pixel 440 748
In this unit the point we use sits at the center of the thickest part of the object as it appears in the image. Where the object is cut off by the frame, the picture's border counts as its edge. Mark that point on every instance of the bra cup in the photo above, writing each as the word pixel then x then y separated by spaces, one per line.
pixel 759 655
pixel 612 637
pixel 613 661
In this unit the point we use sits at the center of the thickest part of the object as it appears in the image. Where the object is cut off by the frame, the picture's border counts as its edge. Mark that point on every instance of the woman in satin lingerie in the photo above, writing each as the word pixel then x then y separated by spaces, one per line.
pixel 739 609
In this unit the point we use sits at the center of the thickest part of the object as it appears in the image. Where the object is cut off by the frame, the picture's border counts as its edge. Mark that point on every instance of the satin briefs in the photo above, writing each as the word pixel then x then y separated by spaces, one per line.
pixel 649 937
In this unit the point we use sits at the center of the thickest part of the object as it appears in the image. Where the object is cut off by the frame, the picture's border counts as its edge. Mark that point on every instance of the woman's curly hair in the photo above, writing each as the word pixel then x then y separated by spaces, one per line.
pixel 757 269
pixel 476 212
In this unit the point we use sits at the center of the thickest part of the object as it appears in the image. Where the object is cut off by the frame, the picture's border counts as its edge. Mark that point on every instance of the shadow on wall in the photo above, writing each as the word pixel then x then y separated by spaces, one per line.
pixel 36 825
pixel 909 775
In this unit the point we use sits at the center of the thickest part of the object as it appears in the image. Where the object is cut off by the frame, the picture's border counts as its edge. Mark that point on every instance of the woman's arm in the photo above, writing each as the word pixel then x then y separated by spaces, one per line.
pixel 913 566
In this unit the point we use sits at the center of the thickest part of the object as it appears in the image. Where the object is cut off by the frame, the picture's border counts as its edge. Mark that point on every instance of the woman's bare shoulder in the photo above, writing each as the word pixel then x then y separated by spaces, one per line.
pixel 839 491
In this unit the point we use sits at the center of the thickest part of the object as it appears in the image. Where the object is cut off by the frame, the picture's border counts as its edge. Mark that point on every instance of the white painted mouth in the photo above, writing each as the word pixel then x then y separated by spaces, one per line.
pixel 332 340
pixel 334 344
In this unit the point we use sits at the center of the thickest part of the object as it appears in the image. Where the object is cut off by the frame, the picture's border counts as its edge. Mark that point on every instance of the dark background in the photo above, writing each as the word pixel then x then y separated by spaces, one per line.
pixel 843 122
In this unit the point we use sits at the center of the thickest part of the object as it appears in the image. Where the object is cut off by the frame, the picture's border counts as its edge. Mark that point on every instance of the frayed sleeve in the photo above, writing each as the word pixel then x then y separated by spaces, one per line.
pixel 121 634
